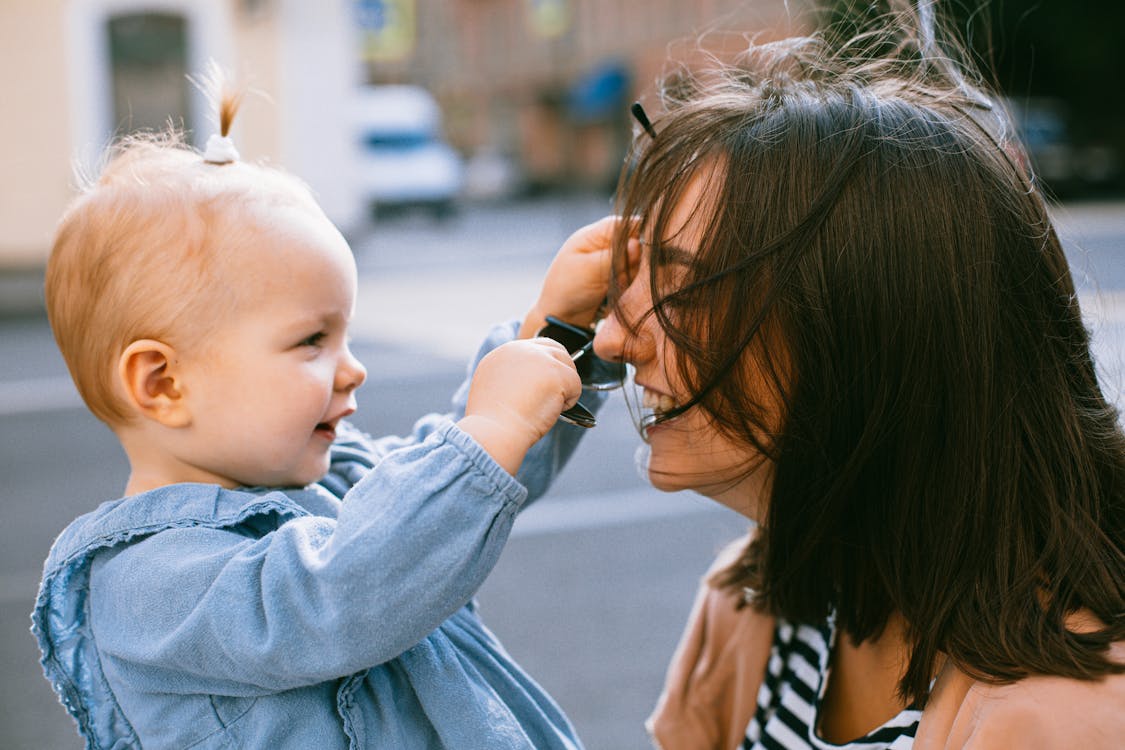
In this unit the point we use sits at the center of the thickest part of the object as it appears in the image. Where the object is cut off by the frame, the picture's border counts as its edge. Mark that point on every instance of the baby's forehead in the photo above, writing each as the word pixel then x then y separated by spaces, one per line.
pixel 270 244
pixel 233 231
pixel 251 190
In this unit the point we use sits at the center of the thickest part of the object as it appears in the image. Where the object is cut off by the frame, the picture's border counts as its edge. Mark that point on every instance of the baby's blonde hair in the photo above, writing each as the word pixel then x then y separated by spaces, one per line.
pixel 141 251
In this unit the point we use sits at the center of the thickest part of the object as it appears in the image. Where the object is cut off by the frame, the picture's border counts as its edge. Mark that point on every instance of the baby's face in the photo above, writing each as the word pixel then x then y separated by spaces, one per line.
pixel 269 384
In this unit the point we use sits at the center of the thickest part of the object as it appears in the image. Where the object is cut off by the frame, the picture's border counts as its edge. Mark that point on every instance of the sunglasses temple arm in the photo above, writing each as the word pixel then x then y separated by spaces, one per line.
pixel 578 353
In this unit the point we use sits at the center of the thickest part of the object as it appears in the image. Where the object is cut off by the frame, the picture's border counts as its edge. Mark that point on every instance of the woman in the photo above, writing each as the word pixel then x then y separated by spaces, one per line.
pixel 852 322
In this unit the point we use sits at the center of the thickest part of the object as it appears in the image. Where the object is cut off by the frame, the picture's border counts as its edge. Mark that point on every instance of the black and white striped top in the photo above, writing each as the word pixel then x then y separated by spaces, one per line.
pixel 790 697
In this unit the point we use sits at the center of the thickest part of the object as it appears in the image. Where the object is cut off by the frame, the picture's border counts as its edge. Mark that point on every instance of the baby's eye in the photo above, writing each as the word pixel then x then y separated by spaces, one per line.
pixel 314 340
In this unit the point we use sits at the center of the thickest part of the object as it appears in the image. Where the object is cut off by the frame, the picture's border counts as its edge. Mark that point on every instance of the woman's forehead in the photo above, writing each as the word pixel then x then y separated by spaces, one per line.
pixel 682 222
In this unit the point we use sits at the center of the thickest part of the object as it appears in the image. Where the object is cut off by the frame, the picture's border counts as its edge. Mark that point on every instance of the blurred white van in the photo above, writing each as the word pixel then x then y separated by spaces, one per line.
pixel 405 160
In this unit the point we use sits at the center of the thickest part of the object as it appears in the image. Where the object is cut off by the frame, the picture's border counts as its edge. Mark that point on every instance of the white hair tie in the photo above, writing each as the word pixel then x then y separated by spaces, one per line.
pixel 220 150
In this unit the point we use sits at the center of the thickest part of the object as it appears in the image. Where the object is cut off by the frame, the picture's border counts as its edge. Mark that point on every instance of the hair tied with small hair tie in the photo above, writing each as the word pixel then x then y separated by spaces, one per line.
pixel 220 150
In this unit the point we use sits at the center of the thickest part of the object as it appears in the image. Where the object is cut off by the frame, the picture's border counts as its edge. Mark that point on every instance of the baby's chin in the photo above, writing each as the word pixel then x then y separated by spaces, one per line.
pixel 297 478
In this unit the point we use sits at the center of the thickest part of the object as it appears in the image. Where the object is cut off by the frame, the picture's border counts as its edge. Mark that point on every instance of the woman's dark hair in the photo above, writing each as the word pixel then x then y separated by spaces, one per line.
pixel 880 306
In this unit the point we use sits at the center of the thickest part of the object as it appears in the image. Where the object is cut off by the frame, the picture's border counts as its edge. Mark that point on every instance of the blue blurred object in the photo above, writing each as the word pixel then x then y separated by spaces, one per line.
pixel 601 94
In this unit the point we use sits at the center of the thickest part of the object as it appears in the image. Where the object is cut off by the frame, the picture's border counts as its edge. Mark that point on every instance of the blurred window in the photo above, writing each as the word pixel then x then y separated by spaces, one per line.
pixel 148 59
pixel 397 141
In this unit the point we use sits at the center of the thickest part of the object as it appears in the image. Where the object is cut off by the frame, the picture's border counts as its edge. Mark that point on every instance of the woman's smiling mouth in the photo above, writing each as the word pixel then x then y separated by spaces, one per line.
pixel 654 405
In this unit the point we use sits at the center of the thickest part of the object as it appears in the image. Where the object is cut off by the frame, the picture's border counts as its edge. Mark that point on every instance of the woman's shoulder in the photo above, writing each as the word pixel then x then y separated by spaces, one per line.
pixel 712 682
pixel 1036 712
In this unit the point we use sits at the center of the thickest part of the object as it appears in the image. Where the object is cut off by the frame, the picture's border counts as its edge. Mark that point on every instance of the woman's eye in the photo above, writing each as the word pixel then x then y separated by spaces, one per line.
pixel 669 278
pixel 313 340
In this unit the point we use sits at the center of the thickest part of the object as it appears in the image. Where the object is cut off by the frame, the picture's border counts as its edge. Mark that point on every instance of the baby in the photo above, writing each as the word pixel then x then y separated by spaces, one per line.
pixel 273 577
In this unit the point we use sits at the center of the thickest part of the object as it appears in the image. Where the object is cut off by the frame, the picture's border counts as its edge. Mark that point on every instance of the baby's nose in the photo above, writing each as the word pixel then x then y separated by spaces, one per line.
pixel 351 373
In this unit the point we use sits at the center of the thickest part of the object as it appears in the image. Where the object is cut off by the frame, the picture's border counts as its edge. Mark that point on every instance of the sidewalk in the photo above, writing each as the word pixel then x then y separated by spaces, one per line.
pixel 21 292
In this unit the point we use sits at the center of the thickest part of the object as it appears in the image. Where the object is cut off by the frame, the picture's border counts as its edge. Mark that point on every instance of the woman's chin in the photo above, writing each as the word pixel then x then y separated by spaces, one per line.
pixel 649 470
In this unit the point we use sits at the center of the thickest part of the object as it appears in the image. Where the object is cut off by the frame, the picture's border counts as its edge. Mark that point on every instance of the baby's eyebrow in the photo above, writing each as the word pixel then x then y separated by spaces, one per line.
pixel 310 319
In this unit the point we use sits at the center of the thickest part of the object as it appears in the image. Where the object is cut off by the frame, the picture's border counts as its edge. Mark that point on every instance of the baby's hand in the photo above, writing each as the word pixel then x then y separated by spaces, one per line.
pixel 518 391
pixel 578 279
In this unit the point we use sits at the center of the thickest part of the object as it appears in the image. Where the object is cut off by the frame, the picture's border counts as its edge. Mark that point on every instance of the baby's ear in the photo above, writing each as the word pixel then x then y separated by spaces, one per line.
pixel 152 378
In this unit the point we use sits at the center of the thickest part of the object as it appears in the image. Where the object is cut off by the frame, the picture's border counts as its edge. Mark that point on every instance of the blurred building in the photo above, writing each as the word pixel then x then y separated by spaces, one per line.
pixel 538 86
pixel 78 72
pixel 547 83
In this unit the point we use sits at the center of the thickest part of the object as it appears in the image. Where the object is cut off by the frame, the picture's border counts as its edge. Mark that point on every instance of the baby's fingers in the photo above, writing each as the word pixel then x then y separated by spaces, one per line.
pixel 567 373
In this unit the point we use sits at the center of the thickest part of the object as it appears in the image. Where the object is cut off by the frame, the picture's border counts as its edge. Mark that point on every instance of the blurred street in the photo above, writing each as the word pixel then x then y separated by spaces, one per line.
pixel 594 587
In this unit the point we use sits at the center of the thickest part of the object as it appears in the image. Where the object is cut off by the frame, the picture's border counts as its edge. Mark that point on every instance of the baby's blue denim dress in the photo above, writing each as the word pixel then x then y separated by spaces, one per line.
pixel 197 617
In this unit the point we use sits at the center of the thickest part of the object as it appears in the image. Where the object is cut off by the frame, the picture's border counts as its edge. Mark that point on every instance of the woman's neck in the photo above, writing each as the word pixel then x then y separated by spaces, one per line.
pixel 862 691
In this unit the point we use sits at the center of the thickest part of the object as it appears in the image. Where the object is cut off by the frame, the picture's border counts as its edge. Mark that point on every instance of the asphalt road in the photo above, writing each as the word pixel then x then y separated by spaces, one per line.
pixel 593 588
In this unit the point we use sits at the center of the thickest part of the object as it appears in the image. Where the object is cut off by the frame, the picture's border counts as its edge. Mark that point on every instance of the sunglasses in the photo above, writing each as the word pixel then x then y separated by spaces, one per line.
pixel 596 373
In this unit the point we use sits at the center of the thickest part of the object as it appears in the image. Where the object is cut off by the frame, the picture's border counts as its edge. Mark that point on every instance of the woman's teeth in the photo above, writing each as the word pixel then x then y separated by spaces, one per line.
pixel 656 405
pixel 658 402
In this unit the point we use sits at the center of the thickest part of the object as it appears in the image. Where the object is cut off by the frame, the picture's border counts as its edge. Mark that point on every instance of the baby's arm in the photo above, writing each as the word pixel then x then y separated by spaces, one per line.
pixel 249 611
pixel 517 394
pixel 514 396
pixel 573 289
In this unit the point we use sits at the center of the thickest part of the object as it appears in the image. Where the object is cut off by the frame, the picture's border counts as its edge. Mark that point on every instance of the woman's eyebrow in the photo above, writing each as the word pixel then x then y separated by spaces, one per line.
pixel 671 254
pixel 676 256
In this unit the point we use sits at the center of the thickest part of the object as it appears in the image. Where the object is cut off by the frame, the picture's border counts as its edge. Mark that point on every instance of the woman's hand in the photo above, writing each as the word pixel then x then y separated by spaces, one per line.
pixel 577 280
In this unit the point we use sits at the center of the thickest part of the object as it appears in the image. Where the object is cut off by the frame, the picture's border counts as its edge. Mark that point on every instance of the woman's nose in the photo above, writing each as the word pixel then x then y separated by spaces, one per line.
pixel 625 335
pixel 609 340
pixel 350 373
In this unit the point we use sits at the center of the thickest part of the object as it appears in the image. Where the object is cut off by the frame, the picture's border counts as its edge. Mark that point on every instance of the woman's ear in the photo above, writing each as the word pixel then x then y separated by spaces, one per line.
pixel 151 376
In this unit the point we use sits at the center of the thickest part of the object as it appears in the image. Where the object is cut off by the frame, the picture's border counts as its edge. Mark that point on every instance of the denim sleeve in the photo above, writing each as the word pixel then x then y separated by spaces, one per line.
pixel 218 611
pixel 355 452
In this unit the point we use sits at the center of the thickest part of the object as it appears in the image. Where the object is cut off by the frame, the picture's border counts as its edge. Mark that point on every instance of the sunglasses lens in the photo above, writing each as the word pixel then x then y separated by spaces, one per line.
pixel 579 415
pixel 599 375
pixel 596 374
pixel 571 337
